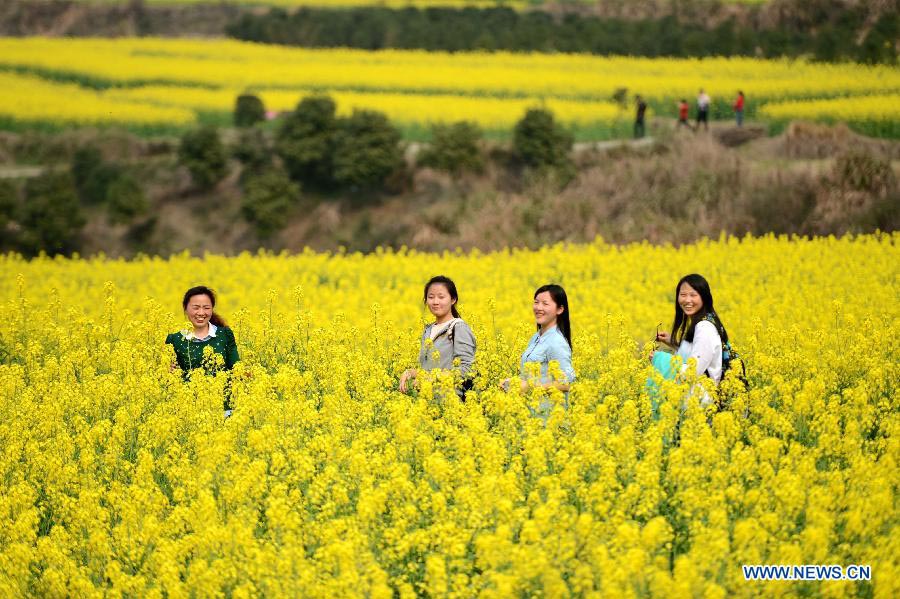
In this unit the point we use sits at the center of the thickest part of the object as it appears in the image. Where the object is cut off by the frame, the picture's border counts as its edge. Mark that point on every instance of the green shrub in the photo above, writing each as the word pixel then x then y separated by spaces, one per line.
pixel 51 215
pixel 253 149
pixel 202 152
pixel 322 150
pixel 366 149
pixel 248 110
pixel 305 140
pixel 454 148
pixel 540 142
pixel 880 45
pixel 92 175
pixel 125 200
pixel 268 197
pixel 9 208
pixel 85 161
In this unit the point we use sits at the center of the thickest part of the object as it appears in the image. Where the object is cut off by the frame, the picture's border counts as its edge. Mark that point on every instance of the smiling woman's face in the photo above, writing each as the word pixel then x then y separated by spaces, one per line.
pixel 199 310
pixel 689 300
pixel 545 309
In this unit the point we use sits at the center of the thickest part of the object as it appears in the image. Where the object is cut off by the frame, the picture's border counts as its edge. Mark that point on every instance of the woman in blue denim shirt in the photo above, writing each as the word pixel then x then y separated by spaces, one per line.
pixel 551 343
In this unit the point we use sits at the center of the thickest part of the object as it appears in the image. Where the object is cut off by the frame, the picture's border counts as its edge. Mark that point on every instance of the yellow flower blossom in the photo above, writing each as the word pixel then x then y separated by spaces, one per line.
pixel 119 478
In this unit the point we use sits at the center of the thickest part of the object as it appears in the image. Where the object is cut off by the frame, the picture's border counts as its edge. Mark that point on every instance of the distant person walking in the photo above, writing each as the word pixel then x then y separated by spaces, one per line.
pixel 683 112
pixel 739 109
pixel 703 102
pixel 639 128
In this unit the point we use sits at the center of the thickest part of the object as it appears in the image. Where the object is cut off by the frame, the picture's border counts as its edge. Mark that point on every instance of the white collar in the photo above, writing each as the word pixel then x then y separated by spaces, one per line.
pixel 189 333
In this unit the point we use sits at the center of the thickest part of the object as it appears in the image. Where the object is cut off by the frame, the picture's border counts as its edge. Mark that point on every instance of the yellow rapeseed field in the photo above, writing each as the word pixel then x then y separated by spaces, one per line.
pixel 489 112
pixel 881 113
pixel 116 478
pixel 32 100
pixel 417 87
pixel 231 63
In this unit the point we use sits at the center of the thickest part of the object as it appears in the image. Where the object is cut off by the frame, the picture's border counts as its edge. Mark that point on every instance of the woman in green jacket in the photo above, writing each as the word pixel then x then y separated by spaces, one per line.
pixel 208 329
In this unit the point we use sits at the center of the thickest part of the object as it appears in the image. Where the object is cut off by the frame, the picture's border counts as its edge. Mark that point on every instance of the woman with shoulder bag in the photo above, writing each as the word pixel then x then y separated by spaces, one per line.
pixel 447 339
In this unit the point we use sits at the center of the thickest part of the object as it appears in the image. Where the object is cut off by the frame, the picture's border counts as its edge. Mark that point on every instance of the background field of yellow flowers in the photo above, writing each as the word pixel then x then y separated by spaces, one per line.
pixel 144 82
pixel 117 478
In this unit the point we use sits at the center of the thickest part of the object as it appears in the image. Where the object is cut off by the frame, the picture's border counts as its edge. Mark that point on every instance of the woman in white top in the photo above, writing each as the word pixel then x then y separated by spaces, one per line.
pixel 697 331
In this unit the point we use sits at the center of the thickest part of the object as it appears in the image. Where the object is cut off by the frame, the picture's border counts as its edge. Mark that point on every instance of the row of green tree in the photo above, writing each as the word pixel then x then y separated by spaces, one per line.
pixel 313 153
pixel 47 212
pixel 357 156
pixel 835 35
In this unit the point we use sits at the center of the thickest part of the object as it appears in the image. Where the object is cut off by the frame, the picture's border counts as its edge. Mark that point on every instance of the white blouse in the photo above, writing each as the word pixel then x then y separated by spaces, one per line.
pixel 706 348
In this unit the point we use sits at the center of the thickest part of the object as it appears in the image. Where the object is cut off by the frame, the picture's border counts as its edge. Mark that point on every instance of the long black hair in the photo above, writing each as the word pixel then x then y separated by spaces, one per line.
pixel 558 294
pixel 451 289
pixel 683 326
pixel 204 290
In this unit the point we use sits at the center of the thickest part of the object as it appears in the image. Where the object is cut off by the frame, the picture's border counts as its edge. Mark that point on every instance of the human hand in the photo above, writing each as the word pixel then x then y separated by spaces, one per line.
pixel 404 379
pixel 507 384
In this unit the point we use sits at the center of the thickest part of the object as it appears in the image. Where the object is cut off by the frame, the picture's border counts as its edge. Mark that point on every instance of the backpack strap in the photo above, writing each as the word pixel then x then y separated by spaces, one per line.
pixel 712 318
pixel 450 330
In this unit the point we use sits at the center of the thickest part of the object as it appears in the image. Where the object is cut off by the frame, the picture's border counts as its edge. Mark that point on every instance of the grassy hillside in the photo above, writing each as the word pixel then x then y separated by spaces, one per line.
pixel 809 180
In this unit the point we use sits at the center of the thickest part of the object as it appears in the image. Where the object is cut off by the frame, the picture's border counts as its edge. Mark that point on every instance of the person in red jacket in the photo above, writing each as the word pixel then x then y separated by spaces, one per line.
pixel 739 109
pixel 683 113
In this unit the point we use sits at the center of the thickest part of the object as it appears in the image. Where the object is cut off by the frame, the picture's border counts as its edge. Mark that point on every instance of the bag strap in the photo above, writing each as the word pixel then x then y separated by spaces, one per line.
pixel 711 318
pixel 448 331
pixel 451 330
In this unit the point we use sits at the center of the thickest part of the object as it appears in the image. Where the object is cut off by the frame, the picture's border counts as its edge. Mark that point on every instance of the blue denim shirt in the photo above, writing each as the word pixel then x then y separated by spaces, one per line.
pixel 545 348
